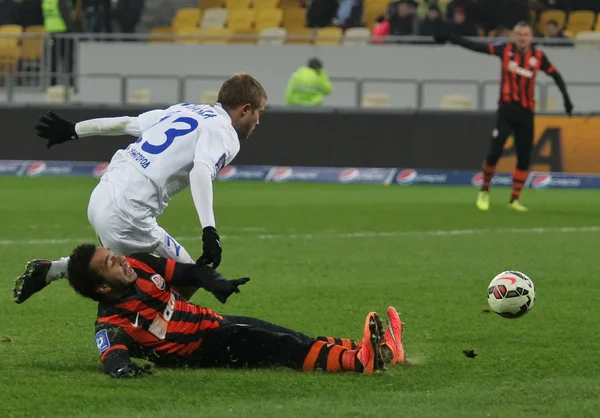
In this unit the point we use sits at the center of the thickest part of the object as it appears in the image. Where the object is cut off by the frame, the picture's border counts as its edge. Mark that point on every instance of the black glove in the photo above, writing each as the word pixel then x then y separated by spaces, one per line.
pixel 568 105
pixel 221 287
pixel 211 248
pixel 130 369
pixel 55 129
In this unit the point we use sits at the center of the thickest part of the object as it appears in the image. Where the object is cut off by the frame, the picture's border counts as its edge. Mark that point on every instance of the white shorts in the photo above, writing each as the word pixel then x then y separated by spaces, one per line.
pixel 119 229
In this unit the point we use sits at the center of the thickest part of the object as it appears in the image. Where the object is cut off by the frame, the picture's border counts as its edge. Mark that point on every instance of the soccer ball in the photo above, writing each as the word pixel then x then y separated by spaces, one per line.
pixel 511 294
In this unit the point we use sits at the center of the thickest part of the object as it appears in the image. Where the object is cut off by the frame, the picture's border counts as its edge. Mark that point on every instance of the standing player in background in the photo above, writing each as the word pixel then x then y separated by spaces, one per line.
pixel 184 145
pixel 521 62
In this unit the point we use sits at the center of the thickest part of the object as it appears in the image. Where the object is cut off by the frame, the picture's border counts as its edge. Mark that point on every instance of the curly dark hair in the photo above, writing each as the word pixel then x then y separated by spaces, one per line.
pixel 81 278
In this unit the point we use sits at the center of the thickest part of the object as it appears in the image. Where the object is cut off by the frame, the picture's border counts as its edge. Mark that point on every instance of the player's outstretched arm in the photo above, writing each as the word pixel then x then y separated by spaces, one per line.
pixel 58 130
pixel 482 47
pixel 184 274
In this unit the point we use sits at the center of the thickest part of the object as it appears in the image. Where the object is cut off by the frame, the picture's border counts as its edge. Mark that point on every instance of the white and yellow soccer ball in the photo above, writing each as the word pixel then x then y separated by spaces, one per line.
pixel 511 294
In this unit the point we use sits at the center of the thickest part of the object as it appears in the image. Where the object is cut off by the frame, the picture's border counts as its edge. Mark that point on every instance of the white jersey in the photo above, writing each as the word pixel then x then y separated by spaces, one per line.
pixel 175 146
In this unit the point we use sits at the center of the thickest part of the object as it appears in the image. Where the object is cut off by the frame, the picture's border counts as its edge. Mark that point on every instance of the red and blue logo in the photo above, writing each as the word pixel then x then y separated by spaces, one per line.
pixel 349 175
pixel 477 179
pixel 406 176
pixel 227 173
pixel 281 173
pixel 541 181
pixel 36 168
pixel 99 170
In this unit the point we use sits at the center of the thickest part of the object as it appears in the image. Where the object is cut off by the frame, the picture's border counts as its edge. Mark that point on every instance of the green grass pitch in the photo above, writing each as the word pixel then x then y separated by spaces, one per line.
pixel 320 258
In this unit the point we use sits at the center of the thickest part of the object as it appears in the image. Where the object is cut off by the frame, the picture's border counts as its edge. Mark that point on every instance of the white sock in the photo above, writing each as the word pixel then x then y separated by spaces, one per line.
pixel 58 269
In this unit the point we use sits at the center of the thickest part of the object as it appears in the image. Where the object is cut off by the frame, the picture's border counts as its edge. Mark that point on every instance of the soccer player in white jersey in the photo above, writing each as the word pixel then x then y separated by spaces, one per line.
pixel 183 145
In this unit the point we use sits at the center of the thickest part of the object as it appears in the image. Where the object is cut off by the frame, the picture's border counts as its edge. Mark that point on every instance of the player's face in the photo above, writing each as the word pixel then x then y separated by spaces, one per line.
pixel 115 269
pixel 523 36
pixel 249 119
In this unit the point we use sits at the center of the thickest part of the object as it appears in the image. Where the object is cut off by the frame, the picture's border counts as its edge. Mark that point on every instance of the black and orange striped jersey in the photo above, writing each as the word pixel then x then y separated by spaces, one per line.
pixel 519 70
pixel 152 320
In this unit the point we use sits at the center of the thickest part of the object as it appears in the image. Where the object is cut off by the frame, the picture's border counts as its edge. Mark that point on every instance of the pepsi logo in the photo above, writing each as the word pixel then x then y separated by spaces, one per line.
pixel 477 180
pixel 349 174
pixel 282 173
pixel 36 168
pixel 100 169
pixel 541 180
pixel 406 176
pixel 227 172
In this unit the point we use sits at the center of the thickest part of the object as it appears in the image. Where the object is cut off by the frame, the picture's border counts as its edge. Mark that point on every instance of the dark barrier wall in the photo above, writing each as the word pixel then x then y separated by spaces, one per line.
pixel 337 139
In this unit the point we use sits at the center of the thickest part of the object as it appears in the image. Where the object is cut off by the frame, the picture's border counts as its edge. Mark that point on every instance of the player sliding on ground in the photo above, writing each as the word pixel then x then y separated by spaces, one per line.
pixel 141 314
pixel 184 145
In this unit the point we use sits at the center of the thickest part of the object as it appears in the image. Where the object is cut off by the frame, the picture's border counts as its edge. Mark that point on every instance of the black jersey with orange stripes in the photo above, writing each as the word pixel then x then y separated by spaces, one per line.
pixel 152 320
pixel 519 70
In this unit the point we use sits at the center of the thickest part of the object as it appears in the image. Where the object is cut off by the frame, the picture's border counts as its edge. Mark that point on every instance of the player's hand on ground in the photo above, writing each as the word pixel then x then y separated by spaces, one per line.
pixel 55 129
pixel 211 248
pixel 131 370
pixel 568 106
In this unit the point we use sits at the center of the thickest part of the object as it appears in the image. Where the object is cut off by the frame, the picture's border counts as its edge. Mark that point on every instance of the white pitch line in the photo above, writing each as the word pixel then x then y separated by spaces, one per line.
pixel 366 234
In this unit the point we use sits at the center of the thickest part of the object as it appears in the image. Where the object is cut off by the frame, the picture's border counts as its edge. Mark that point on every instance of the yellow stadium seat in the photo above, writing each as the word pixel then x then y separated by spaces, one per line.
pixel 33 43
pixel 299 35
pixel 272 36
pixel 210 4
pixel 289 4
pixel 357 36
pixel 580 21
pixel 294 18
pixel 238 4
pixel 269 18
pixel 329 36
pixel 217 36
pixel 548 15
pixel 241 19
pixel 214 18
pixel 9 57
pixel 161 30
pixel 189 16
pixel 246 36
pixel 189 35
pixel 10 36
pixel 265 4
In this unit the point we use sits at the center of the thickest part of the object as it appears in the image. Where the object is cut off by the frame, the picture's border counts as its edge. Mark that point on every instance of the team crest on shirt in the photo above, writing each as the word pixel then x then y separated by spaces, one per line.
pixel 221 163
pixel 159 281
pixel 532 61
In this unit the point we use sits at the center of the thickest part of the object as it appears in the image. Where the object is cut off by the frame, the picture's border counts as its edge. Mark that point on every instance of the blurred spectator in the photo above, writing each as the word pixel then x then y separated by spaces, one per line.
pixel 432 23
pixel 320 13
pixel 309 85
pixel 97 16
pixel 502 32
pixel 382 28
pixel 57 22
pixel 349 14
pixel 459 24
pixel 553 30
pixel 468 8
pixel 128 14
pixel 405 21
pixel 7 12
pixel 423 7
pixel 29 13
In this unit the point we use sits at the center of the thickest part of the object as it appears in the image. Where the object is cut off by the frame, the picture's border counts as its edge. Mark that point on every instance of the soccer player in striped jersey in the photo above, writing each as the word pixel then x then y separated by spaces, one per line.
pixel 521 62
pixel 141 314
